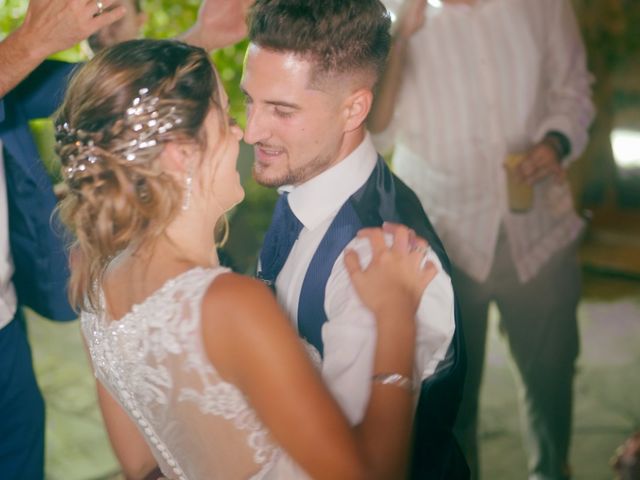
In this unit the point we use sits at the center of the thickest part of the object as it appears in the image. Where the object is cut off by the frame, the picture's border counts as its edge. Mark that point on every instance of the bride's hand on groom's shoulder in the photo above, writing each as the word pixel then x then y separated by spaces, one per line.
pixel 396 276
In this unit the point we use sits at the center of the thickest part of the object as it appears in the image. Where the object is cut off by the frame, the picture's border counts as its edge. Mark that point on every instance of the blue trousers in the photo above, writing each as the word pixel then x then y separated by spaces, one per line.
pixel 22 417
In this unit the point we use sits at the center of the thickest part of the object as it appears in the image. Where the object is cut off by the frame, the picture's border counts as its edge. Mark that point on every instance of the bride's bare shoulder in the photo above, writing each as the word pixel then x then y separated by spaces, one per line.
pixel 237 297
pixel 240 315
pixel 234 286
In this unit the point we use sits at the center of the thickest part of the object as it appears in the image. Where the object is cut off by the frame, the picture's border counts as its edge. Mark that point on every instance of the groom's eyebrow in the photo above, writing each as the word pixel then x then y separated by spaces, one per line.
pixel 277 103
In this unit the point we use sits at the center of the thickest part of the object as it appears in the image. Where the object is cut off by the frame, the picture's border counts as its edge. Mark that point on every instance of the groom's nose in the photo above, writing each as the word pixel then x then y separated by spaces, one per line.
pixel 256 129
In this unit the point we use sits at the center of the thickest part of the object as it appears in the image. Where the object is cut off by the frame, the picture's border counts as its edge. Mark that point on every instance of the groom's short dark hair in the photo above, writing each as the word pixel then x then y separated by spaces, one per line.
pixel 338 36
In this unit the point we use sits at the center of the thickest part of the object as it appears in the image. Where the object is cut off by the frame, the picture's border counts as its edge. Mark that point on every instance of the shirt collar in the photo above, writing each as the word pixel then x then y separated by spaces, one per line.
pixel 318 198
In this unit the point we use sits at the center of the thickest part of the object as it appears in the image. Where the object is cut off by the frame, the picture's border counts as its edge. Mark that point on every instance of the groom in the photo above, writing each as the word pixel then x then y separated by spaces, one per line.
pixel 309 76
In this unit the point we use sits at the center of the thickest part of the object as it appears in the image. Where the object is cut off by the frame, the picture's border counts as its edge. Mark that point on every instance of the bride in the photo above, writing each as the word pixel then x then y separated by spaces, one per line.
pixel 199 374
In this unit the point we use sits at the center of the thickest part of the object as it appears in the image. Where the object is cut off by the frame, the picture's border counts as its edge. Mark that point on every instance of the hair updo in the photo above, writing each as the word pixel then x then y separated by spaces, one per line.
pixel 119 111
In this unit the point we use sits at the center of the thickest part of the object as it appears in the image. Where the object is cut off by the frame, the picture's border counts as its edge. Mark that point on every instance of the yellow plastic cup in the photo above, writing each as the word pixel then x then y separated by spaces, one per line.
pixel 520 194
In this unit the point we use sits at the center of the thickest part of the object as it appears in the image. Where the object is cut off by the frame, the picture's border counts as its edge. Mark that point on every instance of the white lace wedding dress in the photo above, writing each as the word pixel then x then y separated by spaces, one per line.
pixel 154 364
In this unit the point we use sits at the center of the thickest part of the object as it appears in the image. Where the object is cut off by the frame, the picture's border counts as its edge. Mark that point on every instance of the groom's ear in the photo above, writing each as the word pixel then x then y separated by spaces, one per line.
pixel 357 107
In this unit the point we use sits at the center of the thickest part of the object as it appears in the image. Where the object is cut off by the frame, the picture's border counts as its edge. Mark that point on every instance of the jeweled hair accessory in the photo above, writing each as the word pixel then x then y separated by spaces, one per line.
pixel 85 153
pixel 144 117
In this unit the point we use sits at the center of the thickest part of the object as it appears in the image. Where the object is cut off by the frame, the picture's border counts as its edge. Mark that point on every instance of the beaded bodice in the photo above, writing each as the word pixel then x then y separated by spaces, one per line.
pixel 153 363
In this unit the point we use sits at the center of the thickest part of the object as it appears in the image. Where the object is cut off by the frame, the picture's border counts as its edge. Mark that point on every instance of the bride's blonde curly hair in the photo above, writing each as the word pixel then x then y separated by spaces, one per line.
pixel 119 196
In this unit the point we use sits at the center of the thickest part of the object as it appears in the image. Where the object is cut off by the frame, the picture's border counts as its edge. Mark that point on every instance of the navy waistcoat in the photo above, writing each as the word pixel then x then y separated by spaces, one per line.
pixel 385 198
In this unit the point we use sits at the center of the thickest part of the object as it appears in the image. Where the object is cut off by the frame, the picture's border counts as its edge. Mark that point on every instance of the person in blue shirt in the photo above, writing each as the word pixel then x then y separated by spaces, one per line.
pixel 33 263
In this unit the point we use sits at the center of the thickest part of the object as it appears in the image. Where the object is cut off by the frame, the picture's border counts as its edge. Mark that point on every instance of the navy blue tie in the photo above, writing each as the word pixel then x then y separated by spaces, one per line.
pixel 278 241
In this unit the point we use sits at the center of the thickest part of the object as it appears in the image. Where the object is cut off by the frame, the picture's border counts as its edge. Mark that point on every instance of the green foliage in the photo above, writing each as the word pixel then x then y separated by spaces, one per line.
pixel 229 64
pixel 11 17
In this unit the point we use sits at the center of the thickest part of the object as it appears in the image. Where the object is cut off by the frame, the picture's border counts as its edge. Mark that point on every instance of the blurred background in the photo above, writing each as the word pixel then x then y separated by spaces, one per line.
pixel 606 188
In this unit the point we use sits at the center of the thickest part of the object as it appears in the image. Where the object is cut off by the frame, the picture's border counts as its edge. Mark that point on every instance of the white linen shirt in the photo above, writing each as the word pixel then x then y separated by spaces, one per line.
pixel 8 301
pixel 481 82
pixel 349 335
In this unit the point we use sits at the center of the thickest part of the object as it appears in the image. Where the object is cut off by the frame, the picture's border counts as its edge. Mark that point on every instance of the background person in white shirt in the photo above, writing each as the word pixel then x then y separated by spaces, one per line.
pixel 309 75
pixel 468 83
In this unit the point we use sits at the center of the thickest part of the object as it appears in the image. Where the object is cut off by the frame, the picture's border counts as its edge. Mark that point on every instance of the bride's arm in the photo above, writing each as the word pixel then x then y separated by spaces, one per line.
pixel 252 345
pixel 127 442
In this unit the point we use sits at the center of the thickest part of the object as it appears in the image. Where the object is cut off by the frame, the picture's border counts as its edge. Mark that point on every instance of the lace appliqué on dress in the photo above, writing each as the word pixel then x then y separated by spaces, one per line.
pixel 143 358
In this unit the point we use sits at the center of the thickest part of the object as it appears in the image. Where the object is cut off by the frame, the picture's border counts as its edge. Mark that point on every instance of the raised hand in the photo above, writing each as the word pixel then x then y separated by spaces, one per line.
pixel 50 26
pixel 55 25
pixel 220 23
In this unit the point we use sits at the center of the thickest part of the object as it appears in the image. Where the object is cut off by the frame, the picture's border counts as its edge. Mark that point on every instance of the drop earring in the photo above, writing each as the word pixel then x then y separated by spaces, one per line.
pixel 188 187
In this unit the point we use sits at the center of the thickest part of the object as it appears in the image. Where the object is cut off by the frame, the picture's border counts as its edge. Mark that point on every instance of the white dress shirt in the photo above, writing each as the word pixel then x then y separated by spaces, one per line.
pixel 481 82
pixel 349 335
pixel 8 301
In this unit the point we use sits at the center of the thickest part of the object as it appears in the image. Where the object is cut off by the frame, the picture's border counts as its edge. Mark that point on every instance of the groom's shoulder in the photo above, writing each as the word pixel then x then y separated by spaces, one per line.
pixel 413 214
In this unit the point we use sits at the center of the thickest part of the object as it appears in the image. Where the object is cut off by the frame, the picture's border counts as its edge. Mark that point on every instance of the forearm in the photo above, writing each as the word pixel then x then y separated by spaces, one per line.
pixel 385 432
pixel 154 474
pixel 130 448
pixel 194 37
pixel 570 114
pixel 567 97
pixel 211 41
pixel 387 92
pixel 18 57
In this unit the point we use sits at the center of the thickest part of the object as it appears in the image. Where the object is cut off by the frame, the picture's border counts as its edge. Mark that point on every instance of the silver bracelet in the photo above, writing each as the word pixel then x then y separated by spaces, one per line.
pixel 395 379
